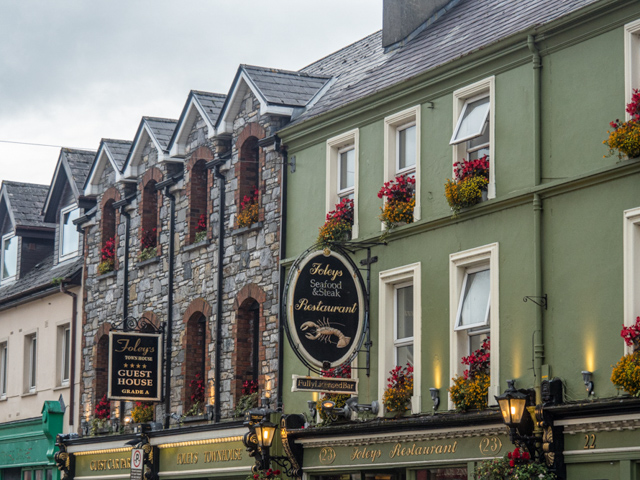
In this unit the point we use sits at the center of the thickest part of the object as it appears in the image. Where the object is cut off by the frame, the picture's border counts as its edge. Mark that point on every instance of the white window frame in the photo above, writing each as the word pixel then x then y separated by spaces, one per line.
pixel 631 60
pixel 631 268
pixel 392 125
pixel 405 341
pixel 461 97
pixel 74 253
pixel 5 238
pixel 334 146
pixel 459 327
pixel 344 192
pixel 4 359
pixel 31 362
pixel 388 281
pixel 459 264
pixel 64 354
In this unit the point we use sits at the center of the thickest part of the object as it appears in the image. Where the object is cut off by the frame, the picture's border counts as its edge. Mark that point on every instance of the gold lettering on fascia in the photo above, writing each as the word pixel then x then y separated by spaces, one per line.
pixel 210 456
pixel 398 450
pixel 111 464
pixel 305 305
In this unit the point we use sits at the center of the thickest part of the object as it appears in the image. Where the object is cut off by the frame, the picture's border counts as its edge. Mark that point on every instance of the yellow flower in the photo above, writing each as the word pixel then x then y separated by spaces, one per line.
pixel 625 139
pixel 248 215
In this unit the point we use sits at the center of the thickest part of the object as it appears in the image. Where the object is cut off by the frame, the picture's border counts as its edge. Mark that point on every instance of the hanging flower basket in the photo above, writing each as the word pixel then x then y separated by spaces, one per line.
pixel 400 201
pixel 107 257
pixel 201 228
pixel 626 373
pixel 397 396
pixel 249 209
pixel 514 465
pixel 471 179
pixel 338 224
pixel 625 137
pixel 470 390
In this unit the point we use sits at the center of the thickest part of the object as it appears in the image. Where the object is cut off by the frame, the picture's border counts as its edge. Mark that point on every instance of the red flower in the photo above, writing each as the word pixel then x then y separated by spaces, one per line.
pixel 149 239
pixel 512 463
pixel 202 224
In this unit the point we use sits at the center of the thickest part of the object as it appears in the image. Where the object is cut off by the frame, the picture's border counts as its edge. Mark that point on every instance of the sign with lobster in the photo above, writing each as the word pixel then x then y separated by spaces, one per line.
pixel 326 307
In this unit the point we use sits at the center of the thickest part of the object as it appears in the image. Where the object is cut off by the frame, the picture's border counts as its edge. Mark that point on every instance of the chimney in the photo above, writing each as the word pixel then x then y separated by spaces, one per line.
pixel 401 17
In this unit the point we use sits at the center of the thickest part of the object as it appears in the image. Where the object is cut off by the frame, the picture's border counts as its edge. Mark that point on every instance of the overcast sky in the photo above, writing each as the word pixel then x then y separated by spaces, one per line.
pixel 75 71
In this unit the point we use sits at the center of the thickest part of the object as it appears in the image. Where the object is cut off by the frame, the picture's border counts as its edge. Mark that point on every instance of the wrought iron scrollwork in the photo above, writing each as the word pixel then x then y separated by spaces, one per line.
pixel 64 461
pixel 133 324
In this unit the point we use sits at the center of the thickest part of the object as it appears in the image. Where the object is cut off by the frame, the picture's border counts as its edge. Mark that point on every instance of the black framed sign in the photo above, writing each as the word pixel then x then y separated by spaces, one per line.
pixel 326 305
pixel 135 366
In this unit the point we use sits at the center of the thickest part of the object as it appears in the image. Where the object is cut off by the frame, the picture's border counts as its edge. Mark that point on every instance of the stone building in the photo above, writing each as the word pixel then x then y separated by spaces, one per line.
pixel 213 178
pixel 40 294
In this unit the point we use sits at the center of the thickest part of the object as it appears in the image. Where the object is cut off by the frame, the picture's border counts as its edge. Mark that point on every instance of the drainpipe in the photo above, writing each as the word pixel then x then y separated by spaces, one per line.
pixel 166 185
pixel 283 250
pixel 216 164
pixel 72 366
pixel 538 334
pixel 122 205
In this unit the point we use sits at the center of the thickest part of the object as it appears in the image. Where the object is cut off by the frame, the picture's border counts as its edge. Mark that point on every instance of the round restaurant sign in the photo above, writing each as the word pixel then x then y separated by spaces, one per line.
pixel 325 309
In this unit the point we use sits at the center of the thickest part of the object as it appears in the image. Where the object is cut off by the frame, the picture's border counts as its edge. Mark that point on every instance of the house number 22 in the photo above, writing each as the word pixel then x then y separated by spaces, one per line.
pixel 589 441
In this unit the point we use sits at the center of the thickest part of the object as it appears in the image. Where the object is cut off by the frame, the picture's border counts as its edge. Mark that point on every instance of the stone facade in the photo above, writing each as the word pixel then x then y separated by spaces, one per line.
pixel 250 268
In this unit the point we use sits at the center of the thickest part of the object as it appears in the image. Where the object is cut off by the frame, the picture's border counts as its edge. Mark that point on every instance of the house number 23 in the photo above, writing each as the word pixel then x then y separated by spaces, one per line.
pixel 589 441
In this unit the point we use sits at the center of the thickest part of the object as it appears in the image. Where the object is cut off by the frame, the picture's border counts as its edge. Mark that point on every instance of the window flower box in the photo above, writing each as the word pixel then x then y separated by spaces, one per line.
pixel 625 137
pixel 400 201
pixel 338 224
pixel 469 185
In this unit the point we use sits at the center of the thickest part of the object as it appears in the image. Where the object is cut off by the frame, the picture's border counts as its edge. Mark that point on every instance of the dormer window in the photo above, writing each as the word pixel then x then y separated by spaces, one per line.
pixel 9 257
pixel 69 235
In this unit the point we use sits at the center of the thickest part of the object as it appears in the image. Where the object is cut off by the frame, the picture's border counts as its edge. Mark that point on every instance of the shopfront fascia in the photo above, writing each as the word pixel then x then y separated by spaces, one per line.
pixel 27 447
pixel 414 453
pixel 603 441
pixel 181 453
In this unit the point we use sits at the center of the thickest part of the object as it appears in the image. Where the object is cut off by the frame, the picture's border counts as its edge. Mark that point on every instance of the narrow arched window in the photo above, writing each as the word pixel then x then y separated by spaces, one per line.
pixel 198 217
pixel 247 368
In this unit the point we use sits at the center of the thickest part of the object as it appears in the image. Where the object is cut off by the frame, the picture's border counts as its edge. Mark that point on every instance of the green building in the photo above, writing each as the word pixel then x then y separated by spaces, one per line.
pixel 541 258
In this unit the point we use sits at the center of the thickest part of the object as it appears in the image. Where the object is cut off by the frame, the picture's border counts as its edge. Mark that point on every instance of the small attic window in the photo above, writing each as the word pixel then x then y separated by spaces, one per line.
pixel 9 257
pixel 69 236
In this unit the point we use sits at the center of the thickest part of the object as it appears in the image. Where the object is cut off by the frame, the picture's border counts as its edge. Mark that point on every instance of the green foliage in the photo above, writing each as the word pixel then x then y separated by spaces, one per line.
pixel 245 403
pixel 148 254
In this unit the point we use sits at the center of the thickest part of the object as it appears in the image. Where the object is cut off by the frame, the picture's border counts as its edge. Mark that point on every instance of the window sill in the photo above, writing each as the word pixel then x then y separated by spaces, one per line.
pixel 29 394
pixel 104 276
pixel 195 246
pixel 250 228
pixel 194 419
pixel 61 387
pixel 151 261
pixel 3 398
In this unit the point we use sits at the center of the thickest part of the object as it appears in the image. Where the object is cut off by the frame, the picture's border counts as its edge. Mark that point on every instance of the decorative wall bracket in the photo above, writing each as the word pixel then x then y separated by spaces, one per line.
pixel 540 301
pixel 133 324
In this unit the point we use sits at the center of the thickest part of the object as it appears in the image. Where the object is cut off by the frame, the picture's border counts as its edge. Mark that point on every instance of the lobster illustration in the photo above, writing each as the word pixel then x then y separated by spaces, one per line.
pixel 323 331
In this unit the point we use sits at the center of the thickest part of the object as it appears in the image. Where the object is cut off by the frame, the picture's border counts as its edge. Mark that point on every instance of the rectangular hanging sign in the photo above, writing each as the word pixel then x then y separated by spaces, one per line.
pixel 135 366
pixel 347 386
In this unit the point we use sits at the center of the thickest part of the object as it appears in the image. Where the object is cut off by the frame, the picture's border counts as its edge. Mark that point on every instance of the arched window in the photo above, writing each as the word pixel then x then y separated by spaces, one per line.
pixel 250 161
pixel 108 241
pixel 196 364
pixel 198 195
pixel 247 365
pixel 149 238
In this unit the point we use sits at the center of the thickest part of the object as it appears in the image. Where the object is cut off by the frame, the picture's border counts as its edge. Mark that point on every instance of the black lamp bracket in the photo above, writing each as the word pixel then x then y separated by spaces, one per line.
pixel 540 301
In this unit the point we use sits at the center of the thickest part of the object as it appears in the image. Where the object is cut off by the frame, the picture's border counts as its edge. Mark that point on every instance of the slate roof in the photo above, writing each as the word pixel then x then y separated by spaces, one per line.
pixel 39 278
pixel 25 202
pixel 118 149
pixel 362 69
pixel 283 87
pixel 211 103
pixel 79 162
pixel 162 129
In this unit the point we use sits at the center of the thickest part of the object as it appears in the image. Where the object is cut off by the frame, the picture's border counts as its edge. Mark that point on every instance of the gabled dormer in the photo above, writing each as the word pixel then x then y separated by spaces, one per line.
pixel 106 169
pixel 63 203
pixel 280 92
pixel 150 145
pixel 197 122
pixel 25 237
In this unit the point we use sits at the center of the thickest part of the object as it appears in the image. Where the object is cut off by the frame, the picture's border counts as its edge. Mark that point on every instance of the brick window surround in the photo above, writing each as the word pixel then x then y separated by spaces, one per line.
pixel 109 221
pixel 248 354
pixel 251 161
pixel 195 341
pixel 100 363
pixel 150 205
pixel 199 186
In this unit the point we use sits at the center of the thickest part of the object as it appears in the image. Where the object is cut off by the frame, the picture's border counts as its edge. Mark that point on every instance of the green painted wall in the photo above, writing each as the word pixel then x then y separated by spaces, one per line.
pixel 583 199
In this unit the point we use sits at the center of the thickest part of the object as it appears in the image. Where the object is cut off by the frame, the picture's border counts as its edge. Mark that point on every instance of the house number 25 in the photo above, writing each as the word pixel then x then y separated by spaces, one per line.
pixel 589 441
